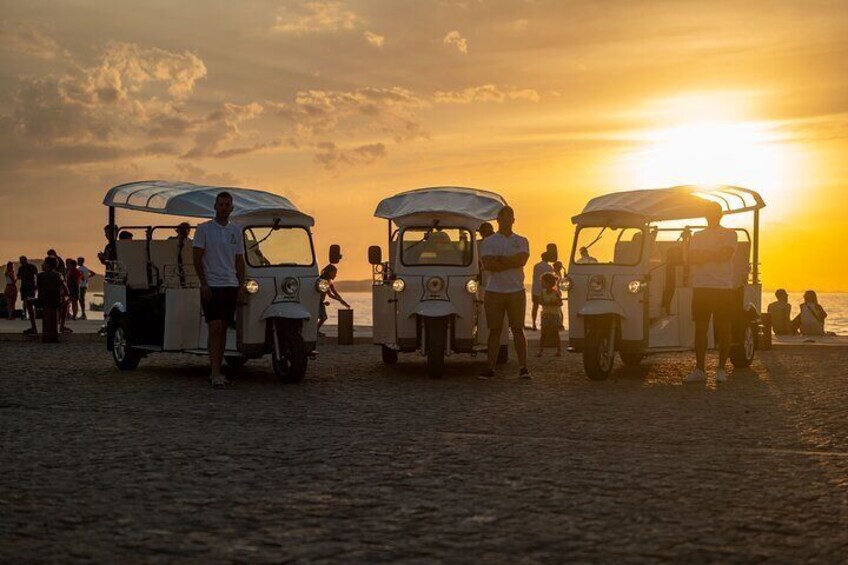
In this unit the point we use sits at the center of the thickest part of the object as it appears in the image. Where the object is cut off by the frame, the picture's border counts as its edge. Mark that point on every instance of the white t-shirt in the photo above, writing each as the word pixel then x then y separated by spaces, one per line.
pixel 715 274
pixel 221 244
pixel 539 269
pixel 498 245
pixel 85 272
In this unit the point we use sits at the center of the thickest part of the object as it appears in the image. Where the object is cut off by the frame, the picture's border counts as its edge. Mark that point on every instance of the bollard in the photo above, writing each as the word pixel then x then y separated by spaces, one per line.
pixel 765 335
pixel 346 327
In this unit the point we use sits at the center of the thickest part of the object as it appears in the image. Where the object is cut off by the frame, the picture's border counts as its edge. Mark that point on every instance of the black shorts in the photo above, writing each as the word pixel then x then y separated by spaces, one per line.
pixel 222 305
pixel 27 292
pixel 73 292
pixel 720 303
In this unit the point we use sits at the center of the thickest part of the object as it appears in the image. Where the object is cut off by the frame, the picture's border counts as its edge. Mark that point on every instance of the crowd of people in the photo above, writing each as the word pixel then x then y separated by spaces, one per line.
pixel 58 292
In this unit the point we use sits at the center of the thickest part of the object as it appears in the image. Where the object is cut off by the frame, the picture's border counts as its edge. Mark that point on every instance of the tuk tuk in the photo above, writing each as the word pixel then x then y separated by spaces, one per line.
pixel 152 297
pixel 628 280
pixel 428 296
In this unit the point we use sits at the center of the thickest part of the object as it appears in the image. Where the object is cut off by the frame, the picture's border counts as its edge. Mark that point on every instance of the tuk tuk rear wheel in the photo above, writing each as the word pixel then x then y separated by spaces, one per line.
pixel 503 354
pixel 126 358
pixel 435 332
pixel 235 361
pixel 290 367
pixel 390 356
pixel 599 347
pixel 742 354
pixel 631 358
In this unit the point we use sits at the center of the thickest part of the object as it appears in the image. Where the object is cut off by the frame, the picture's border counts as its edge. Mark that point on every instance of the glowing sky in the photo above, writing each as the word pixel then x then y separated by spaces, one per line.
pixel 339 104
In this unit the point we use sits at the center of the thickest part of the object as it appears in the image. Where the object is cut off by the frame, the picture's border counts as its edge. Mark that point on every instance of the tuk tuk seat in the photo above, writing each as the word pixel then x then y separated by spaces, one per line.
pixel 165 253
pixel 133 254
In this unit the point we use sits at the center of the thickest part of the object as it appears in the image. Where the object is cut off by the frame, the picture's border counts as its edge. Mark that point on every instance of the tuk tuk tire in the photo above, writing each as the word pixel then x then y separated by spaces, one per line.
pixel 597 361
pixel 292 367
pixel 631 358
pixel 436 334
pixel 126 358
pixel 742 354
pixel 235 361
pixel 503 354
pixel 390 356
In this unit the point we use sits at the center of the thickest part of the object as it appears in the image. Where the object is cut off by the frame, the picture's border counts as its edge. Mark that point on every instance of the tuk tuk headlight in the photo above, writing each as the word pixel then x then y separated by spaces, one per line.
pixel 322 285
pixel 636 287
pixel 471 286
pixel 290 285
pixel 435 284
pixel 398 285
pixel 251 286
pixel 566 284
pixel 597 283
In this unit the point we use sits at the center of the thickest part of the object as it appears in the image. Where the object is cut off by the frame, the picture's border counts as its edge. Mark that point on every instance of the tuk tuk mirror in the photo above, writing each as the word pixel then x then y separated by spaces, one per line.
pixel 375 255
pixel 335 254
pixel 553 252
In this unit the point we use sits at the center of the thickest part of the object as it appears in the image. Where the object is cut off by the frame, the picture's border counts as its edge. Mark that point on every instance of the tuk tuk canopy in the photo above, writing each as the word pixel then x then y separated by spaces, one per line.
pixel 198 201
pixel 638 207
pixel 478 205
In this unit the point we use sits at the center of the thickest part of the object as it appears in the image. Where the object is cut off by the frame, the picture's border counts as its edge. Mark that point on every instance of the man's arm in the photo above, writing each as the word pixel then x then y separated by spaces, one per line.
pixel 516 261
pixel 240 269
pixel 197 259
pixel 493 263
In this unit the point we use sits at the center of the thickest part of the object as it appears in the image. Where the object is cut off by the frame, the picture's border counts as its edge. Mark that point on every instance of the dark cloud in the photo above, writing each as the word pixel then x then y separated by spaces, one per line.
pixel 331 157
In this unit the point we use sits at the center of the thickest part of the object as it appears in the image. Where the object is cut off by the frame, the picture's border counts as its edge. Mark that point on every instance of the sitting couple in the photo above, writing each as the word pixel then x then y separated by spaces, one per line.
pixel 810 320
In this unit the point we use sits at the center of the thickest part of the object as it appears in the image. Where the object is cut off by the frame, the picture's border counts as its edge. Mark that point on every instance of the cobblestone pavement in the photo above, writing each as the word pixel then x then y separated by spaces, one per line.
pixel 364 463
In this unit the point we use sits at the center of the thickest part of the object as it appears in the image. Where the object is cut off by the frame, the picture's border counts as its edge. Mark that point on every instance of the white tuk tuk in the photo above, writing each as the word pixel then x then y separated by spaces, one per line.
pixel 152 297
pixel 427 296
pixel 628 279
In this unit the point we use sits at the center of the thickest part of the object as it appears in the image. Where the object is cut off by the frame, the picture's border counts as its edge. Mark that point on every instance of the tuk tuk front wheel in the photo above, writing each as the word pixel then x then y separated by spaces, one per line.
pixel 126 358
pixel 599 347
pixel 289 357
pixel 390 356
pixel 742 354
pixel 435 333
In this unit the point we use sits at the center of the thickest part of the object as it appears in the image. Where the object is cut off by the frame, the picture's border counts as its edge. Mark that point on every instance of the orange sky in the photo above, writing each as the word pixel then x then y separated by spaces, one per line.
pixel 339 104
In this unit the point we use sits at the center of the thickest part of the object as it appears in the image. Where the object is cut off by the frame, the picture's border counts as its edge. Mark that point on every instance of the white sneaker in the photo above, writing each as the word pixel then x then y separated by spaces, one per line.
pixel 696 376
pixel 217 381
pixel 721 376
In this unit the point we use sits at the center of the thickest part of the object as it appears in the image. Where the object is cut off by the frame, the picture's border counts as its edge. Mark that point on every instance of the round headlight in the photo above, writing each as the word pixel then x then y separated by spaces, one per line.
pixel 597 283
pixel 635 286
pixel 322 285
pixel 290 285
pixel 471 286
pixel 566 283
pixel 435 284
pixel 251 286
pixel 398 285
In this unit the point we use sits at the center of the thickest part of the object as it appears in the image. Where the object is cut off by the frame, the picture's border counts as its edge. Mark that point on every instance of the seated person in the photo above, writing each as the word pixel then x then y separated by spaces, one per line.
pixel 780 311
pixel 811 319
pixel 585 257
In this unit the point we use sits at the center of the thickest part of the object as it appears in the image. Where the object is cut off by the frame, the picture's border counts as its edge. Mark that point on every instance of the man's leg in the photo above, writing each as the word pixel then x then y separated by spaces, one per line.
pixel 82 302
pixel 701 344
pixel 215 344
pixel 535 311
pixel 495 308
pixel 723 334
pixel 516 308
pixel 30 309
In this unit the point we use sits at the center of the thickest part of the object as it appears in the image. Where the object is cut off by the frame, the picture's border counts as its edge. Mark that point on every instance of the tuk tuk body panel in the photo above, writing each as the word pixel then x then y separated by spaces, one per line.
pixel 383 304
pixel 182 319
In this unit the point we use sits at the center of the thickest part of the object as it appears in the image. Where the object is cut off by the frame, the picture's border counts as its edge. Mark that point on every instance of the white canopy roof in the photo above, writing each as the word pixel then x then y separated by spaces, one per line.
pixel 478 204
pixel 188 199
pixel 637 207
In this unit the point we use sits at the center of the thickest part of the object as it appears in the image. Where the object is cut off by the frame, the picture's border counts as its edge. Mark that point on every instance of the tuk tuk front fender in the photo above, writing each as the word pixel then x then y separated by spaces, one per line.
pixel 600 308
pixel 291 310
pixel 435 309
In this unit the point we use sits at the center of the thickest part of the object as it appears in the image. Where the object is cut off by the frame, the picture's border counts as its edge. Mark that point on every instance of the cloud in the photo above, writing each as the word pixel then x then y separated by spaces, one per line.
pixel 224 126
pixel 454 39
pixel 315 17
pixel 193 173
pixel 484 93
pixel 331 157
pixel 31 41
pixel 374 39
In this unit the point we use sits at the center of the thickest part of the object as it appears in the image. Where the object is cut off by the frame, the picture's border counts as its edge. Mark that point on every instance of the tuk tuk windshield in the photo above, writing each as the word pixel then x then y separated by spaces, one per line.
pixel 437 246
pixel 608 246
pixel 268 247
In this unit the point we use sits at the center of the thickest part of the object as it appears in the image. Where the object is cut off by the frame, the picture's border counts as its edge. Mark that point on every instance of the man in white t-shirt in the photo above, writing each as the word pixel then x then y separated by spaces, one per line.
pixel 219 263
pixel 539 269
pixel 713 295
pixel 504 255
